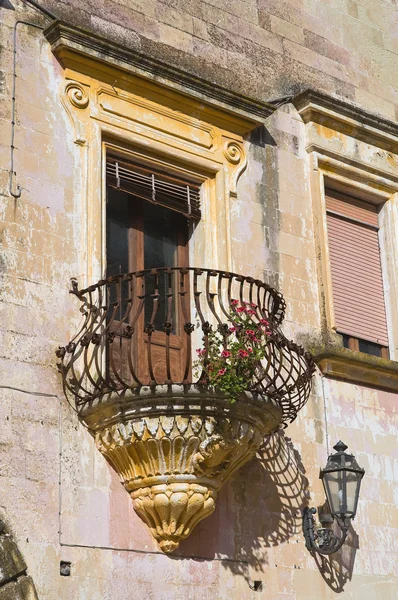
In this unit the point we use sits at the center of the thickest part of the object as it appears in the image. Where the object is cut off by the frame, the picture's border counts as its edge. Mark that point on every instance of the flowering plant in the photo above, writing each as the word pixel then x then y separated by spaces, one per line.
pixel 232 354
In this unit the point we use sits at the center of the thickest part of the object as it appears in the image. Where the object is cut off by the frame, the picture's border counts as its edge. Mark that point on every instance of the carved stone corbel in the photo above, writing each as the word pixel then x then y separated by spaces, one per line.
pixel 173 451
pixel 236 163
pixel 76 96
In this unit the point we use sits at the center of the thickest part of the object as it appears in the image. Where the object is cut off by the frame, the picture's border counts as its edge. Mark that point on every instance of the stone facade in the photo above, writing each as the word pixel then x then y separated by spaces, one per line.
pixel 207 71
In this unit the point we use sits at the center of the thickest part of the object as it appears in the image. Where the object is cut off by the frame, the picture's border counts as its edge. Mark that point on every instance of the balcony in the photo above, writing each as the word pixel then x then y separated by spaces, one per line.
pixel 144 372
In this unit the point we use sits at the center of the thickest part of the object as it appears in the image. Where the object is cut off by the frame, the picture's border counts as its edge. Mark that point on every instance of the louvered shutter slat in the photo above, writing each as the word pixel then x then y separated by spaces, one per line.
pixel 353 208
pixel 154 187
pixel 357 283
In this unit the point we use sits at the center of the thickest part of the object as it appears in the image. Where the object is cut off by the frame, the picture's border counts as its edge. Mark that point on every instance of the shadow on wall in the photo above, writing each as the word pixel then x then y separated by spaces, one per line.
pixel 260 508
pixel 14 581
pixel 337 568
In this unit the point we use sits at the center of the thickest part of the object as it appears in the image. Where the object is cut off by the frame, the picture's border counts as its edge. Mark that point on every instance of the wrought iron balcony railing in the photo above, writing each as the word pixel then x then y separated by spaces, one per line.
pixel 144 328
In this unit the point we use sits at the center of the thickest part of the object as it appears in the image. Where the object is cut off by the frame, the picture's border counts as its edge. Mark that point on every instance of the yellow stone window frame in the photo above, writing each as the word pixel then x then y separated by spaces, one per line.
pixel 146 122
pixel 356 153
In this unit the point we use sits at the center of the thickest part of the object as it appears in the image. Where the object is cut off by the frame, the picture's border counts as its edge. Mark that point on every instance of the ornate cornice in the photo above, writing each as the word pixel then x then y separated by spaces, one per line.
pixel 343 116
pixel 67 40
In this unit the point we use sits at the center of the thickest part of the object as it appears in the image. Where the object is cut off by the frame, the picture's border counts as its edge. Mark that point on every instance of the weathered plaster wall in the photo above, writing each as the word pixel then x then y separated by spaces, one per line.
pixel 62 500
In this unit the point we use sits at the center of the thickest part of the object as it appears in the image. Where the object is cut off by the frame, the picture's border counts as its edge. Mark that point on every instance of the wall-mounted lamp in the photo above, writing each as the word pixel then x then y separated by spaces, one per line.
pixel 341 479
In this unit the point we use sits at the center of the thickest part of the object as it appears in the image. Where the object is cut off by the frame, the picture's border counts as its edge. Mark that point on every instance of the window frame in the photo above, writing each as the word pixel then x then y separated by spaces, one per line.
pixel 330 172
pixel 345 195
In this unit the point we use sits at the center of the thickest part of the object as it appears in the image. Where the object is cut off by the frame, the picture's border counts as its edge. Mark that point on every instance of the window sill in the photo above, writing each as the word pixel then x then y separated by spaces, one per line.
pixel 357 367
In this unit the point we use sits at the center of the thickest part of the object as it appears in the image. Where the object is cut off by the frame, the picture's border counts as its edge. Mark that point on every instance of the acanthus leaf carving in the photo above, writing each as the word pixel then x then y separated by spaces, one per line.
pixel 174 464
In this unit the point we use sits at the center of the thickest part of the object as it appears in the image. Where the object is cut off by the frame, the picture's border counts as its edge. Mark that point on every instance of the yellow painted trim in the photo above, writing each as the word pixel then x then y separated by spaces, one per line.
pixel 156 92
pixel 129 121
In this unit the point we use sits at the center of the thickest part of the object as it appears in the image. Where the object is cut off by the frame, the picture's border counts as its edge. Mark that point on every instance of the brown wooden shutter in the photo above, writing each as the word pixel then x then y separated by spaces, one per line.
pixel 159 188
pixel 357 284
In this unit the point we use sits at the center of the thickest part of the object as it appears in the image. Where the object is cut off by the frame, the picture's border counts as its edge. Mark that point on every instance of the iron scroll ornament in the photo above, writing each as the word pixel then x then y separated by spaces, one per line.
pixel 174 437
pixel 341 478
pixel 323 540
pixel 126 307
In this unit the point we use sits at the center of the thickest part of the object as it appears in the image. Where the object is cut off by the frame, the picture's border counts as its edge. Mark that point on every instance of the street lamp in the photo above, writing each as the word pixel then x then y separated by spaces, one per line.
pixel 341 479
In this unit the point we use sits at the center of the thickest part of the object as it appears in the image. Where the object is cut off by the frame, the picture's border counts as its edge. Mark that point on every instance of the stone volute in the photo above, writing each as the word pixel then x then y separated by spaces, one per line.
pixel 172 439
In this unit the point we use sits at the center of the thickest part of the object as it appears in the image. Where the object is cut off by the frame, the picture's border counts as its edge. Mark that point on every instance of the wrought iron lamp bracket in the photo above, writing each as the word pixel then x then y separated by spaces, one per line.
pixel 322 540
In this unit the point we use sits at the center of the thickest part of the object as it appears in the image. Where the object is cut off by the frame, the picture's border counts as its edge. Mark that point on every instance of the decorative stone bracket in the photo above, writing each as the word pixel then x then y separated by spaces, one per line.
pixel 174 447
pixel 172 438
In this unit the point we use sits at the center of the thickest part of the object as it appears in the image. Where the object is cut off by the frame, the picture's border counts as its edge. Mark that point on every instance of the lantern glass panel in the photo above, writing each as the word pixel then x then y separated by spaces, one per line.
pixel 353 483
pixel 333 484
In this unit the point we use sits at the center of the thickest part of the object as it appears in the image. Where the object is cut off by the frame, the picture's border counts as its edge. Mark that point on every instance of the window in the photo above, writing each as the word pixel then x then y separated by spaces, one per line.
pixel 148 218
pixel 357 285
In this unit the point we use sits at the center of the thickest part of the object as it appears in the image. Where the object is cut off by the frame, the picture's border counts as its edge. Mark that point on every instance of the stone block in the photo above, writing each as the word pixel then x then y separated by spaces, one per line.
pixel 326 47
pixel 225 39
pixel 200 28
pixel 120 34
pixel 374 103
pixel 283 9
pixel 220 18
pixel 287 30
pixel 43 466
pixel 23 589
pixel 174 18
pixel 352 9
pixel 246 10
pixel 12 563
pixel 175 37
pixel 147 7
pixel 209 53
pixel 260 36
pixel 299 268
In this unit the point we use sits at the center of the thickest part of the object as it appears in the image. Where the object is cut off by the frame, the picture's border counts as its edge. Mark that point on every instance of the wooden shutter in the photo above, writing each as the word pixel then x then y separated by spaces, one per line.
pixel 357 284
pixel 153 186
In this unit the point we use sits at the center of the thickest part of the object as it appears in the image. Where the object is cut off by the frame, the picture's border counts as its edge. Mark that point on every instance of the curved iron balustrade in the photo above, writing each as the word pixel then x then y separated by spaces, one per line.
pixel 121 317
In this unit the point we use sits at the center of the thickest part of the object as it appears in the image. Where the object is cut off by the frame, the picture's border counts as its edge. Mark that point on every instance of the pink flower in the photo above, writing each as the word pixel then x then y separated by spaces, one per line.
pixel 250 350
pixel 201 352
pixel 254 339
pixel 225 354
pixel 241 309
pixel 250 312
pixel 221 371
pixel 232 329
pixel 264 322
pixel 253 305
pixel 250 332
pixel 234 302
pixel 243 353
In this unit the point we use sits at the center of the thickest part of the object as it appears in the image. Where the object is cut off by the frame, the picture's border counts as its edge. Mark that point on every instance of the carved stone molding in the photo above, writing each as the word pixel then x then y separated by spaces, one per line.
pixel 70 44
pixel 348 118
pixel 174 448
pixel 76 94
pixel 236 157
pixel 234 153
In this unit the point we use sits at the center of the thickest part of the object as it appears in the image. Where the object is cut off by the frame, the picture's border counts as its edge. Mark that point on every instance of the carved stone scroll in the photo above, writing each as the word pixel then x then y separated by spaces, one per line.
pixel 76 94
pixel 237 162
